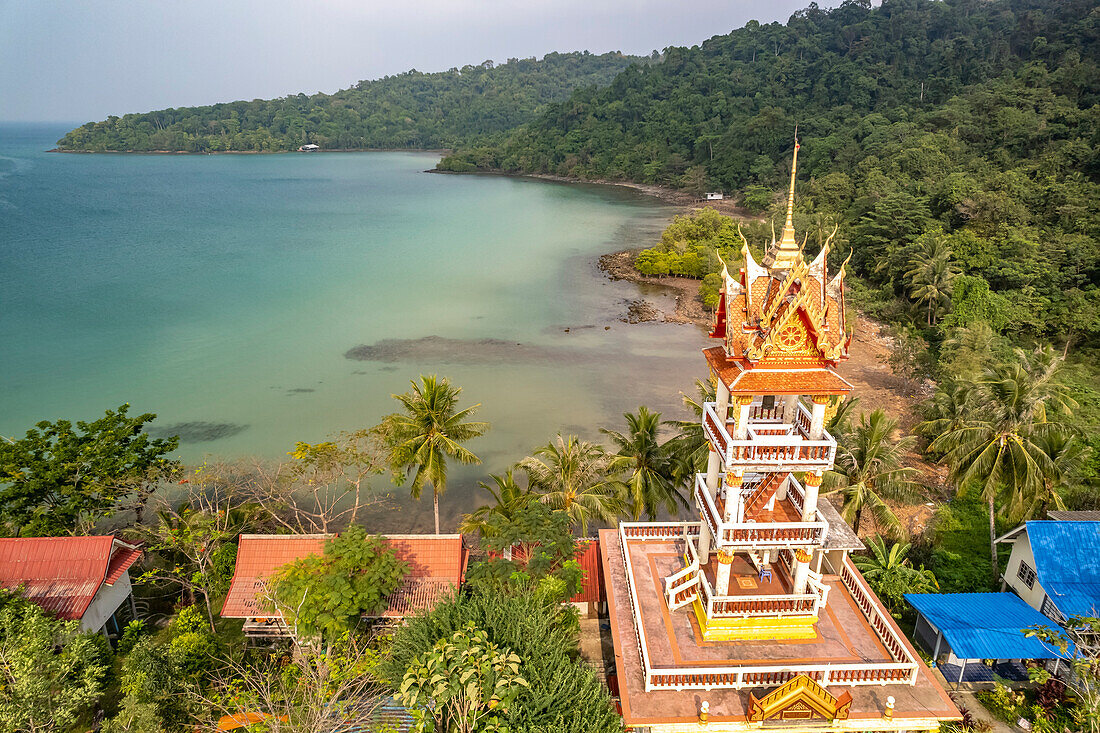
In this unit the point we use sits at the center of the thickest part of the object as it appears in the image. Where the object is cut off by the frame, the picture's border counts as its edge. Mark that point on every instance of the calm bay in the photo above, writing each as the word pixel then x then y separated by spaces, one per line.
pixel 255 300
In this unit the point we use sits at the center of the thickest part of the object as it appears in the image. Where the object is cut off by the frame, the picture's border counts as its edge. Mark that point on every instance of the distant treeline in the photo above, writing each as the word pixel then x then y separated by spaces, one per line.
pixel 410 110
pixel 976 119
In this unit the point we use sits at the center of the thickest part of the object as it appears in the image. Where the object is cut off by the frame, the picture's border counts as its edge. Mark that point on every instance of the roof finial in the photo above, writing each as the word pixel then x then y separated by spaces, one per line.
pixel 788 228
pixel 788 248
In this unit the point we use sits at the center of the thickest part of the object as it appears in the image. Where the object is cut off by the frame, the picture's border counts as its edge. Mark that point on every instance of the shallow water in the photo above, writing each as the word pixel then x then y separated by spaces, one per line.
pixel 255 300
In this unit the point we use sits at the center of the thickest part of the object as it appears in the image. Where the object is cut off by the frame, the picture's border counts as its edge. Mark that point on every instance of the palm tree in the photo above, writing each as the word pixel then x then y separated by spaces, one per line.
pixel 429 431
pixel 570 475
pixel 931 274
pixel 509 497
pixel 868 471
pixel 996 448
pixel 1068 455
pixel 890 573
pixel 688 448
pixel 648 467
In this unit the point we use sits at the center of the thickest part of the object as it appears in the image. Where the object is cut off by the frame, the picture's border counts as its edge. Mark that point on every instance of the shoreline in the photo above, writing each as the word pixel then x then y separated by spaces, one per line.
pixel 439 151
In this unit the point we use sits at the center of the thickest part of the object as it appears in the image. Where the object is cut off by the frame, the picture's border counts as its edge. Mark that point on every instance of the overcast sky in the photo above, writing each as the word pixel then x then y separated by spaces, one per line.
pixel 81 60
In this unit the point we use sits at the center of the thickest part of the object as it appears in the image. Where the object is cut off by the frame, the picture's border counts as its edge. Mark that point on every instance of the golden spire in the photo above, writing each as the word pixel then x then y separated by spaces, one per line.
pixel 788 251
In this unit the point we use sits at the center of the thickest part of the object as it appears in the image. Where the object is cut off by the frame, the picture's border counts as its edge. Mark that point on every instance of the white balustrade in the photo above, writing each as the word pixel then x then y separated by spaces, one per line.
pixel 772 444
pixel 757 534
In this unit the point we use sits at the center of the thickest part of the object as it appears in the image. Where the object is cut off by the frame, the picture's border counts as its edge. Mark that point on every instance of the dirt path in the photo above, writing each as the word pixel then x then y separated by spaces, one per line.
pixel 867 368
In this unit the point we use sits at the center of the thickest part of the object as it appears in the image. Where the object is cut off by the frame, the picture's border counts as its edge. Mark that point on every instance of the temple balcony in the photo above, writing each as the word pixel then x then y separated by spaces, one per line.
pixel 781 528
pixel 770 444
pixel 855 641
pixel 750 595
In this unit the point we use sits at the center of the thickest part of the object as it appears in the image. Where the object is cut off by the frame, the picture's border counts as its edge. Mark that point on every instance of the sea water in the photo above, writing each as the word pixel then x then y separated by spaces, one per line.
pixel 252 301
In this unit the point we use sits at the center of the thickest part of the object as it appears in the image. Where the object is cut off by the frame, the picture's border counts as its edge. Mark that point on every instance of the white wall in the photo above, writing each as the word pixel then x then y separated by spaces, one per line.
pixel 1021 552
pixel 107 599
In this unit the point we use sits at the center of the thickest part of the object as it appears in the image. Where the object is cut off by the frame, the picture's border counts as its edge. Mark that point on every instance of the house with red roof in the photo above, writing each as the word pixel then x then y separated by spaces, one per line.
pixel 84 579
pixel 437 567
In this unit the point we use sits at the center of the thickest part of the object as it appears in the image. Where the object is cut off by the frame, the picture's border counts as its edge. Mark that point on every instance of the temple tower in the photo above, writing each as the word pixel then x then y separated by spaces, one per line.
pixel 781 322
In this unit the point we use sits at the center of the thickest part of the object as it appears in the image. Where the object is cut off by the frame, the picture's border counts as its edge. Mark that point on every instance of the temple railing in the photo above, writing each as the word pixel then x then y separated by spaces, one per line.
pixel 750 535
pixel 756 606
pixel 770 444
pixel 902 671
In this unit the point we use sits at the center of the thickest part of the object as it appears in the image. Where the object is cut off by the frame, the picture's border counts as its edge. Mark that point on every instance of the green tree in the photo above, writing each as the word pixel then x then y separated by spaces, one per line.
pixel 869 471
pixel 689 447
pixel 430 431
pixel 646 465
pixel 931 274
pixel 571 475
pixel 50 672
pixel 535 551
pixel 508 498
pixel 324 595
pixel 1076 645
pixel 192 545
pixel 891 575
pixel 564 694
pixel 994 450
pixel 58 478
pixel 465 683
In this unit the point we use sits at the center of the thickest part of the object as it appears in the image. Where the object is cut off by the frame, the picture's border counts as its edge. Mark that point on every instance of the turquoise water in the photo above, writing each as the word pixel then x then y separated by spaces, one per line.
pixel 224 293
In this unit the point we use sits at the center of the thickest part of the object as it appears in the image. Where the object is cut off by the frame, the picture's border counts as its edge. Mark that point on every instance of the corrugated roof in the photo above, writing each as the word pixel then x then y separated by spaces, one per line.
pixel 436 563
pixel 984 625
pixel 1067 563
pixel 1074 516
pixel 63 574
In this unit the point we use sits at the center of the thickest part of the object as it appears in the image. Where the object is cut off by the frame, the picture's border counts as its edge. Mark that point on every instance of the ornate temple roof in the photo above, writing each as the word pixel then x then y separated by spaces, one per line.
pixel 784 316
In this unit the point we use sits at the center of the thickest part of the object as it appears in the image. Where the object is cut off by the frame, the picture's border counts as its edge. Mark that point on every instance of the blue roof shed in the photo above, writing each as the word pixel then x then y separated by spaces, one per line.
pixel 984 625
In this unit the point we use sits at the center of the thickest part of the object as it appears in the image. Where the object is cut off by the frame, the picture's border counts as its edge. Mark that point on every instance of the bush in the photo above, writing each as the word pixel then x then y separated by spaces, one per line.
pixel 564 696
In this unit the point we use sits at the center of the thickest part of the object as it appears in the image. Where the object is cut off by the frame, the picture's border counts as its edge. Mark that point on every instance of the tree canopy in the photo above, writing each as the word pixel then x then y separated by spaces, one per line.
pixel 410 110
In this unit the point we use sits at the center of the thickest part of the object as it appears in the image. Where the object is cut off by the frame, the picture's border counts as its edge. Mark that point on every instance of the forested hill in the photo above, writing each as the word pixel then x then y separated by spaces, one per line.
pixel 974 123
pixel 410 110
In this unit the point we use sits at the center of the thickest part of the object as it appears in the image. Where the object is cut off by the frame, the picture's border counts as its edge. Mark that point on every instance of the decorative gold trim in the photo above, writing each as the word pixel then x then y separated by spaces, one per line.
pixel 811 479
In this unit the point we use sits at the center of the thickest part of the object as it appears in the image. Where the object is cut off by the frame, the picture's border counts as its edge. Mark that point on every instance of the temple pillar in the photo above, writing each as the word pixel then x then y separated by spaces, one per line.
pixel 722 572
pixel 801 569
pixel 812 482
pixel 704 544
pixel 733 511
pixel 790 408
pixel 741 426
pixel 722 401
pixel 714 465
pixel 817 418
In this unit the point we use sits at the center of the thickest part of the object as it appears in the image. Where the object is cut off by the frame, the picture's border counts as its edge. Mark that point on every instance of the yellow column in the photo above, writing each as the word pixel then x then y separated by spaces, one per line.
pixel 722 576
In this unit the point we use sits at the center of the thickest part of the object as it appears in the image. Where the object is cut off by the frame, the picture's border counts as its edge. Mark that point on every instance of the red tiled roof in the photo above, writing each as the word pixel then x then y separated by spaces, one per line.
pixel 63 574
pixel 436 563
pixel 744 379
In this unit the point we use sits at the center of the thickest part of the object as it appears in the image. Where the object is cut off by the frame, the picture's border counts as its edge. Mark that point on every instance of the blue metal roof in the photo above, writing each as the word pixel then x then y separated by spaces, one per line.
pixel 984 625
pixel 1067 563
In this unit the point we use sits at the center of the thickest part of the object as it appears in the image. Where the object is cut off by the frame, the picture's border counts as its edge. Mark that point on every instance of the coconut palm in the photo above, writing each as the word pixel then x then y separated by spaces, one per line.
pixel 996 450
pixel 1068 456
pixel 648 470
pixel 931 274
pixel 688 447
pixel 869 470
pixel 508 496
pixel 571 475
pixel 430 431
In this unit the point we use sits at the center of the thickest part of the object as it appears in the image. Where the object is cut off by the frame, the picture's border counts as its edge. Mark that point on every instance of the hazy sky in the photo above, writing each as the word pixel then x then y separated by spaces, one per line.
pixel 81 60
